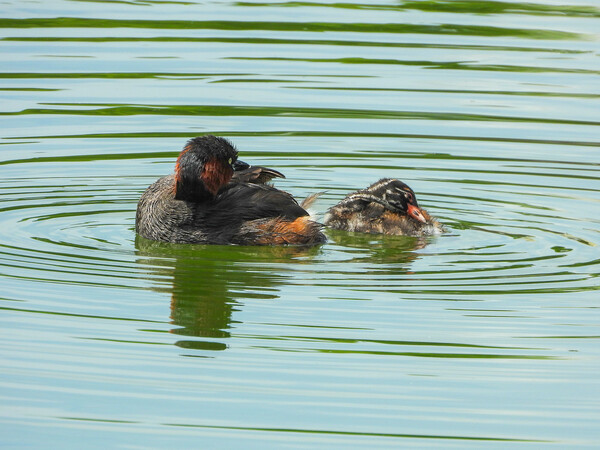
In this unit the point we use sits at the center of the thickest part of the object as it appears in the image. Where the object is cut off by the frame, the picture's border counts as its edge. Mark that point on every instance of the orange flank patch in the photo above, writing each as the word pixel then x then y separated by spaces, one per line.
pixel 279 232
pixel 215 175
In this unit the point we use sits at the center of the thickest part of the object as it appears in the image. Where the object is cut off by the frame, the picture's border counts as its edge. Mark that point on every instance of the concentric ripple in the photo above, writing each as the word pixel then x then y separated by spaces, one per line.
pixel 535 235
pixel 487 333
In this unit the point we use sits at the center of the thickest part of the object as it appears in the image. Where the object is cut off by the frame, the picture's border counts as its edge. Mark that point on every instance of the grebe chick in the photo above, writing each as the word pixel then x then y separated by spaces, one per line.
pixel 387 207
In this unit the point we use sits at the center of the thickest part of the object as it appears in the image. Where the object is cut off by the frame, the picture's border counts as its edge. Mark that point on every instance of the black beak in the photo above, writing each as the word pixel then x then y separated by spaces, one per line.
pixel 239 165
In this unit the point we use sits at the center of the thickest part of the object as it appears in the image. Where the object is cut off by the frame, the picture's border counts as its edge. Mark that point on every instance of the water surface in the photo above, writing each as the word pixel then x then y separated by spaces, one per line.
pixel 484 336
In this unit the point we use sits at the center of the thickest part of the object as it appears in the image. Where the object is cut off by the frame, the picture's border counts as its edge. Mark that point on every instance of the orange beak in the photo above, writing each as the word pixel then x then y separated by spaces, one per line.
pixel 416 213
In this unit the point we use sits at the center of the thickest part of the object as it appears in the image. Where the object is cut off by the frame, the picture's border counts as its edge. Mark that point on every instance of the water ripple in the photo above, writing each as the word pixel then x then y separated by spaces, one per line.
pixel 486 333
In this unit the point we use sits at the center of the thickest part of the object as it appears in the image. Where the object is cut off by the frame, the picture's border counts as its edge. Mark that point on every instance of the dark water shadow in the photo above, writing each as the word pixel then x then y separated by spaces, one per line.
pixel 378 249
pixel 207 283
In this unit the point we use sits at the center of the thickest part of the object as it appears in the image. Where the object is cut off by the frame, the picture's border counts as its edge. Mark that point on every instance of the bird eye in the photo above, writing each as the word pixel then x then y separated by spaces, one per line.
pixel 230 160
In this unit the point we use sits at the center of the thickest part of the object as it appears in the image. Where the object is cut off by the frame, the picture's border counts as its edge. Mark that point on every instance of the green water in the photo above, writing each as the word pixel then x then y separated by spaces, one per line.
pixel 486 336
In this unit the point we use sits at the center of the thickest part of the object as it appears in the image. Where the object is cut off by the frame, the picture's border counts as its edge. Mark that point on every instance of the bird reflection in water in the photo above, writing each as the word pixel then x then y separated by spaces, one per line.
pixel 396 251
pixel 209 283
